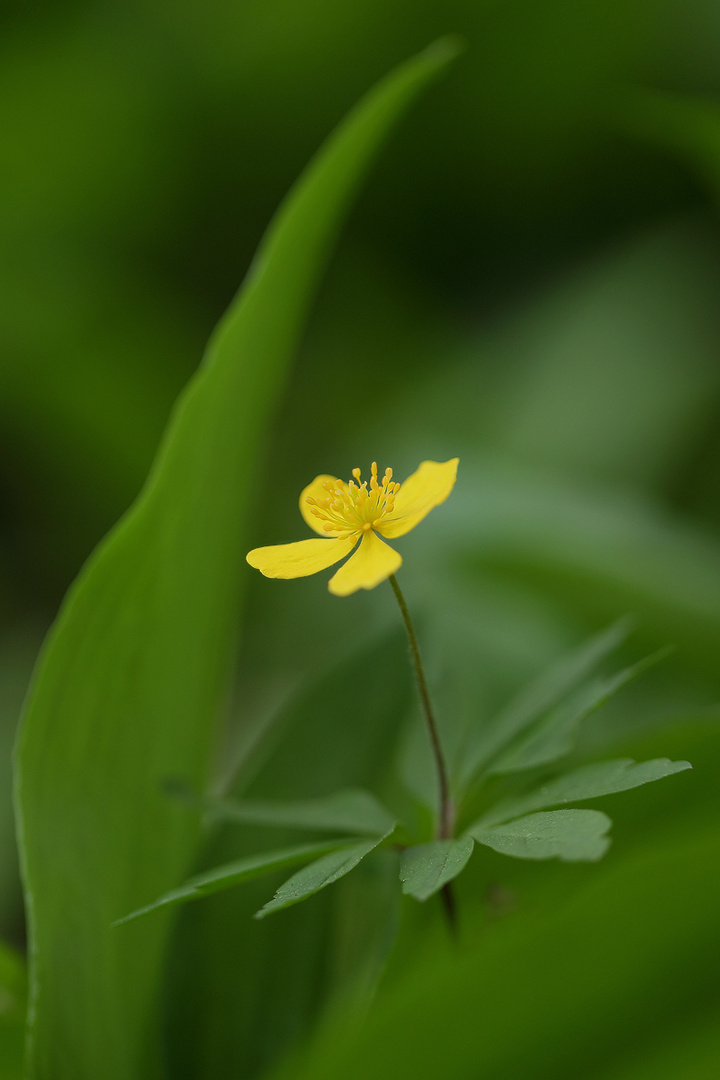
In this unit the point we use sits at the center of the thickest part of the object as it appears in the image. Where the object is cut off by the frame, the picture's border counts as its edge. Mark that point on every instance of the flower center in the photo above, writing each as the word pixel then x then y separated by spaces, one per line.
pixel 356 506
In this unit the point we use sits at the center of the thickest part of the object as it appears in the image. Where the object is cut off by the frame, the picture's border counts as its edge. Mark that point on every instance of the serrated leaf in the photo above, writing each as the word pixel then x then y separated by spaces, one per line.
pixel 588 782
pixel 230 874
pixel 134 672
pixel 570 835
pixel 555 735
pixel 318 875
pixel 426 868
pixel 542 695
pixel 354 811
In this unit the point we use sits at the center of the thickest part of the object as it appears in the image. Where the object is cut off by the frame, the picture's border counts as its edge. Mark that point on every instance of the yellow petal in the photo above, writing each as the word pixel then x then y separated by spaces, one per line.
pixel 425 489
pixel 373 562
pixel 315 490
pixel 299 560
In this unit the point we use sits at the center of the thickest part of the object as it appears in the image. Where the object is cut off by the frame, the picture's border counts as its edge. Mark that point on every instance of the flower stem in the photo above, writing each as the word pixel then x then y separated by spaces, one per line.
pixel 447 814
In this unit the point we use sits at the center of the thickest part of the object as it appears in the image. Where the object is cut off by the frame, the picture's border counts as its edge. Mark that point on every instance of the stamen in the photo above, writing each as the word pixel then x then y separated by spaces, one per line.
pixel 355 507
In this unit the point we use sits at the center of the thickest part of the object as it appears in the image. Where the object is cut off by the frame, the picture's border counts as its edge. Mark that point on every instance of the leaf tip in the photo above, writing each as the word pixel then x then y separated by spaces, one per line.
pixel 125 919
pixel 445 49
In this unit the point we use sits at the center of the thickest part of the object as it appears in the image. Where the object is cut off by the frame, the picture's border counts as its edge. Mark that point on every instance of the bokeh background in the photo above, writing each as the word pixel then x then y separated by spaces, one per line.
pixel 529 280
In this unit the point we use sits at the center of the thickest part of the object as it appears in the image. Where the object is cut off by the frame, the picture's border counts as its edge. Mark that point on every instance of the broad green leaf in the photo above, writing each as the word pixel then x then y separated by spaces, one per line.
pixel 538 698
pixel 353 811
pixel 324 872
pixel 133 674
pixel 588 782
pixel 555 735
pixel 426 868
pixel 225 877
pixel 570 835
pixel 13 1005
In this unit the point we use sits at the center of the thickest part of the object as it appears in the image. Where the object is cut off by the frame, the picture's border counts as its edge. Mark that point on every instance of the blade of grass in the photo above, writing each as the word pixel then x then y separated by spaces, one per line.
pixel 132 676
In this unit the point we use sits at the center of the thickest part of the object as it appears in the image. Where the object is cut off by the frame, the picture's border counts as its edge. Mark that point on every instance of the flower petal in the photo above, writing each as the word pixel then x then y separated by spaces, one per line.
pixel 429 486
pixel 373 562
pixel 315 490
pixel 300 559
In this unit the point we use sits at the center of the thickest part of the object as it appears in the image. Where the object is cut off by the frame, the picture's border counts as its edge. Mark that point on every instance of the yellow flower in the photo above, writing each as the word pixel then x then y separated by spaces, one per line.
pixel 345 513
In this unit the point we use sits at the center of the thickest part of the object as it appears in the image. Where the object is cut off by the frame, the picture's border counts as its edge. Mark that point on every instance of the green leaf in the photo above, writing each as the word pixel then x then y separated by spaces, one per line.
pixel 312 878
pixel 353 923
pixel 225 877
pixel 134 672
pixel 688 126
pixel 354 811
pixel 13 1006
pixel 588 782
pixel 426 868
pixel 555 735
pixel 542 695
pixel 570 835
pixel 591 983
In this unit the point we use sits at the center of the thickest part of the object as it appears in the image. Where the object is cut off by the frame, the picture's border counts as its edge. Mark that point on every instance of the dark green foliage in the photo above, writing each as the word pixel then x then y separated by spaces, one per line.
pixel 529 282
pixel 535 729
pixel 131 677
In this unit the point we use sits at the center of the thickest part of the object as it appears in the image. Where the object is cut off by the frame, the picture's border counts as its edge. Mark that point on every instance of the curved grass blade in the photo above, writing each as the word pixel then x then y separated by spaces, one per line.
pixel 426 868
pixel 318 875
pixel 570 835
pixel 588 782
pixel 234 873
pixel 13 1008
pixel 133 673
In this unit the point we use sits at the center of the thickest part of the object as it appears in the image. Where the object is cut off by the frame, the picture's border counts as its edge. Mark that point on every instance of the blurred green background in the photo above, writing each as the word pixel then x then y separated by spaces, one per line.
pixel 529 281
